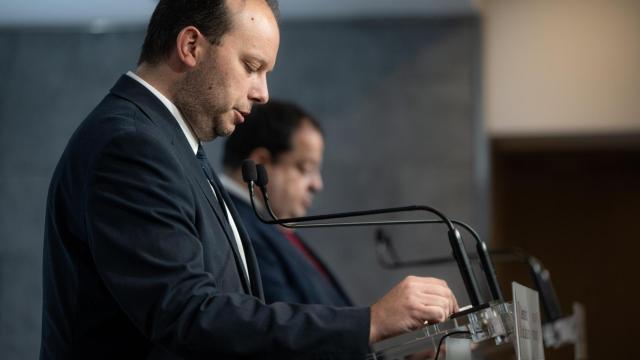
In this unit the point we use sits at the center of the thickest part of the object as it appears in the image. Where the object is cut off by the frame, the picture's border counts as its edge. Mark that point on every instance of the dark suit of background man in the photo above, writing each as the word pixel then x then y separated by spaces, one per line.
pixel 144 254
pixel 289 143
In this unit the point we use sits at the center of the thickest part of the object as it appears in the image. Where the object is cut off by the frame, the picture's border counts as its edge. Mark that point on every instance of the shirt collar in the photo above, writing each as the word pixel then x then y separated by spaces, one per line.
pixel 241 192
pixel 193 141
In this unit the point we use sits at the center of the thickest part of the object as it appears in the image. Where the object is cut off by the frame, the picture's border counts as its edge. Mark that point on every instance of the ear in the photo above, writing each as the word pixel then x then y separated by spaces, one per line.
pixel 189 47
pixel 261 156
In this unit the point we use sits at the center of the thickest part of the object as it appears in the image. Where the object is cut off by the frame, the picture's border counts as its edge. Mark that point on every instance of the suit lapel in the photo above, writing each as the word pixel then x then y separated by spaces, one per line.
pixel 157 112
pixel 252 262
pixel 203 183
pixel 330 275
pixel 206 188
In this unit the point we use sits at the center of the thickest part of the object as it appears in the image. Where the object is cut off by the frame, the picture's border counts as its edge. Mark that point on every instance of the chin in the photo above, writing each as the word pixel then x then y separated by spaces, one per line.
pixel 225 131
pixel 300 213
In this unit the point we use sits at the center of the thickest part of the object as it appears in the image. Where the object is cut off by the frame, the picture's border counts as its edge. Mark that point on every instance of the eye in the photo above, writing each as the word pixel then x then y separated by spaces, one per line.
pixel 302 168
pixel 250 68
pixel 306 169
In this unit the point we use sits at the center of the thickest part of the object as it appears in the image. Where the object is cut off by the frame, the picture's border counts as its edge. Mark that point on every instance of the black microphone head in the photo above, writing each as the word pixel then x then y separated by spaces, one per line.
pixel 249 171
pixel 262 178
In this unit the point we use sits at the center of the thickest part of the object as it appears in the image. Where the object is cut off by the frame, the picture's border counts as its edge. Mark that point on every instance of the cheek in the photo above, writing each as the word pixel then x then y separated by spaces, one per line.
pixel 285 187
pixel 276 187
pixel 298 189
pixel 221 86
pixel 235 80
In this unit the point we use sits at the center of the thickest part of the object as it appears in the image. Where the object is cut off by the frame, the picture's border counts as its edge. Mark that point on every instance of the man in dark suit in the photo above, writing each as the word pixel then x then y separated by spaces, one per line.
pixel 289 143
pixel 144 257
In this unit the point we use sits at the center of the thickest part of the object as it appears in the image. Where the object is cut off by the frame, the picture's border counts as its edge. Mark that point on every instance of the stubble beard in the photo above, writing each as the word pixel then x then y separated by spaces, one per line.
pixel 197 97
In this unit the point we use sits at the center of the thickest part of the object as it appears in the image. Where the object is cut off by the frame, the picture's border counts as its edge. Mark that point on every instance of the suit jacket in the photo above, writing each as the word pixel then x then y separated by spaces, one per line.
pixel 139 264
pixel 287 275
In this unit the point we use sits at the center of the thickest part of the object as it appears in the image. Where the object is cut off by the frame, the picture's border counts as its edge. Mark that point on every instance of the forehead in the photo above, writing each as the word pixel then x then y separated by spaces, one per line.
pixel 255 27
pixel 250 15
pixel 306 140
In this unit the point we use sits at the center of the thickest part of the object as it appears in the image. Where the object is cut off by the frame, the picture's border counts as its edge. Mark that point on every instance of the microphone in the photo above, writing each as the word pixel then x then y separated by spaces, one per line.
pixel 389 258
pixel 262 176
pixel 249 174
pixel 542 279
pixel 384 246
pixel 455 240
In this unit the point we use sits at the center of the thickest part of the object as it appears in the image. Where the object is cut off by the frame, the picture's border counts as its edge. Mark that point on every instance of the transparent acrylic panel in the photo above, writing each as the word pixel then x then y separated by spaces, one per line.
pixel 494 322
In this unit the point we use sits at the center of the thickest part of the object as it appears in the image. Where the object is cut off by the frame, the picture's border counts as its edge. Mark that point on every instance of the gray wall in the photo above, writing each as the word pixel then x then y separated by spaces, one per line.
pixel 398 103
pixel 397 99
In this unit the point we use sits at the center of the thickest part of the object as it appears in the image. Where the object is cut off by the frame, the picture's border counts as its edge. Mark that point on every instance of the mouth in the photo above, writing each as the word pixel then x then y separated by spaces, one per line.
pixel 240 115
pixel 306 204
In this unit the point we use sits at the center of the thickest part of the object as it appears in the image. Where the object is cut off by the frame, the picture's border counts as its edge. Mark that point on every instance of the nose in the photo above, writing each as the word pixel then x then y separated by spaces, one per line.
pixel 316 184
pixel 259 92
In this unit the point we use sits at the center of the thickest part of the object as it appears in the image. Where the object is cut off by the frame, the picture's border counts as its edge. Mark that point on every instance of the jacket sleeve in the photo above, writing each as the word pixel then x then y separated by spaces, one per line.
pixel 140 225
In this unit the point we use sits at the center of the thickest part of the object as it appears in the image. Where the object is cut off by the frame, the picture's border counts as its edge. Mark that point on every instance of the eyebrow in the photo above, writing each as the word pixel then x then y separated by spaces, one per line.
pixel 254 59
pixel 263 63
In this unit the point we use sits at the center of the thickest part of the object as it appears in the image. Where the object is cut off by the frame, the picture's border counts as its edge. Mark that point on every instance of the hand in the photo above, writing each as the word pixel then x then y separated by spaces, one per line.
pixel 409 304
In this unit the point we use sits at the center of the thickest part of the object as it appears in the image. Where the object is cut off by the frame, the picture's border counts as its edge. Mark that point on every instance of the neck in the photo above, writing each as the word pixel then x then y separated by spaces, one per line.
pixel 165 79
pixel 161 77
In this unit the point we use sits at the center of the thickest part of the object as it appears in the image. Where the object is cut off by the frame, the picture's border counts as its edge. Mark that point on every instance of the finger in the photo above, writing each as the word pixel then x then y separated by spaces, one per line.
pixel 431 280
pixel 434 313
pixel 456 308
pixel 427 285
pixel 436 290
pixel 435 300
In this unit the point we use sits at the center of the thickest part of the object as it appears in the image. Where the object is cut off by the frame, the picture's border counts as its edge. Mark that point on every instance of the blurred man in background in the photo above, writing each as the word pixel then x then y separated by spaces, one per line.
pixel 289 143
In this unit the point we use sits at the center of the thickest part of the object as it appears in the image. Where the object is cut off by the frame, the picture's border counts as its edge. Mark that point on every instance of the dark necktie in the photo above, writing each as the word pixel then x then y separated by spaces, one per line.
pixel 215 184
pixel 297 242
pixel 208 172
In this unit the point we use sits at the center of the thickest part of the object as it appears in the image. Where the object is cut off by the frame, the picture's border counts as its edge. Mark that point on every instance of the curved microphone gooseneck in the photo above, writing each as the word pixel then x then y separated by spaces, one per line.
pixel 388 257
pixel 257 175
pixel 481 248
